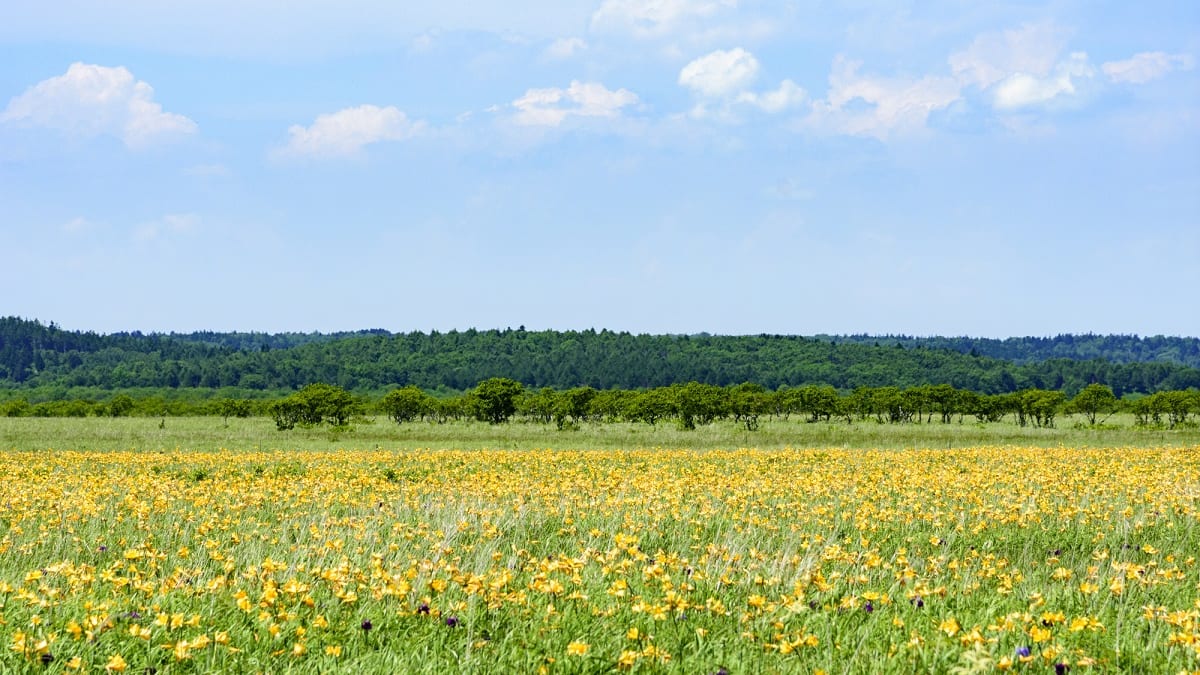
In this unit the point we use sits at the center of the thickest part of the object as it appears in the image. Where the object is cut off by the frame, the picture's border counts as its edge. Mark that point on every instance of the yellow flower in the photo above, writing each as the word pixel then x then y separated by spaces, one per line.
pixel 333 650
pixel 577 648
pixel 201 642
pixel 116 664
pixel 949 626
pixel 18 644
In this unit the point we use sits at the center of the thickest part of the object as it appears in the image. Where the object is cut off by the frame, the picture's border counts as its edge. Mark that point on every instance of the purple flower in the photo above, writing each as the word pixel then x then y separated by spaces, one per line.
pixel 103 548
pixel 423 609
pixel 452 621
pixel 1061 669
pixel 918 602
pixel 721 671
pixel 367 625
pixel 47 658
pixel 868 608
pixel 1022 651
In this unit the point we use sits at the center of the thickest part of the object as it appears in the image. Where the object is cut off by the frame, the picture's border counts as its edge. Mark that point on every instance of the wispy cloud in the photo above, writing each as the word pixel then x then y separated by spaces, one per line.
pixel 346 132
pixel 1146 66
pixel 1022 89
pixel 654 18
pixel 564 48
pixel 859 104
pixel 1031 49
pixel 550 107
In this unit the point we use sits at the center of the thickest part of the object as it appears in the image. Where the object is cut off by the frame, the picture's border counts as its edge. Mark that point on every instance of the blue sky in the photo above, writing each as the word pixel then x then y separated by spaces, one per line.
pixel 729 166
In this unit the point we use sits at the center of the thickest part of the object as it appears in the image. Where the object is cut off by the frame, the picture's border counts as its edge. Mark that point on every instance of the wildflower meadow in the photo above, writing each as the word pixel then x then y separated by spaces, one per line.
pixel 390 560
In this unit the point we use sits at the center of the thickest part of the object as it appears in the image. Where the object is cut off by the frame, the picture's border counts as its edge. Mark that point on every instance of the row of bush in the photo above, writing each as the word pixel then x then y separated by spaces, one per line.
pixel 499 400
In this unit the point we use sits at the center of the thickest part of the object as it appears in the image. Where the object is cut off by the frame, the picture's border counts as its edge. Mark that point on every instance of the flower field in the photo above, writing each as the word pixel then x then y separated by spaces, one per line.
pixel 988 559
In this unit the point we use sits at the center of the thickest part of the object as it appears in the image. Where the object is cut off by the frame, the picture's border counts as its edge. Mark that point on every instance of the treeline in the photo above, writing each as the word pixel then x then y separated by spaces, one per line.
pixel 1115 348
pixel 35 357
pixel 503 400
pixel 498 400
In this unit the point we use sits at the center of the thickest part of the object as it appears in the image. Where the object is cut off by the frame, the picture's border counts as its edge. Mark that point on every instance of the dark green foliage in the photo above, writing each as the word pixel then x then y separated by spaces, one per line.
pixel 234 407
pixel 650 406
pixel 1037 406
pixel 1174 408
pixel 121 405
pixel 313 405
pixel 406 404
pixel 495 399
pixel 697 403
pixel 1094 400
pixel 1022 350
pixel 36 356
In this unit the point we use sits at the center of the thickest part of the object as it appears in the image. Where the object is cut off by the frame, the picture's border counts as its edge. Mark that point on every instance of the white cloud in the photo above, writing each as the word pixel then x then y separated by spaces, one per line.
pixel 722 79
pixel 788 95
pixel 720 73
pixel 652 18
pixel 1032 49
pixel 1022 67
pixel 1022 89
pixel 869 105
pixel 346 132
pixel 551 106
pixel 91 100
pixel 1146 66
pixel 564 48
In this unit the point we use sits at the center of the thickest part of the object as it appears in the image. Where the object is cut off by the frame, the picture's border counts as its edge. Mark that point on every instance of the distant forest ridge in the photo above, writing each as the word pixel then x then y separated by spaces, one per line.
pixel 33 354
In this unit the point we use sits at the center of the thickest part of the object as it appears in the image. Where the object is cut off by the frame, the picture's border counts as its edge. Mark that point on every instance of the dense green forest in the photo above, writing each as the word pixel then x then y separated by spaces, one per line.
pixel 1114 348
pixel 35 356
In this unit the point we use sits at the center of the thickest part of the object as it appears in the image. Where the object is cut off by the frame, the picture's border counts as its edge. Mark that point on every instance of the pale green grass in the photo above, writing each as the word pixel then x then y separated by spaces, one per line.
pixel 210 433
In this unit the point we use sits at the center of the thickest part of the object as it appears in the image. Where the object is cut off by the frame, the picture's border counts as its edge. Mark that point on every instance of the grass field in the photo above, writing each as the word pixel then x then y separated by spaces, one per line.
pixel 198 548
pixel 210 433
